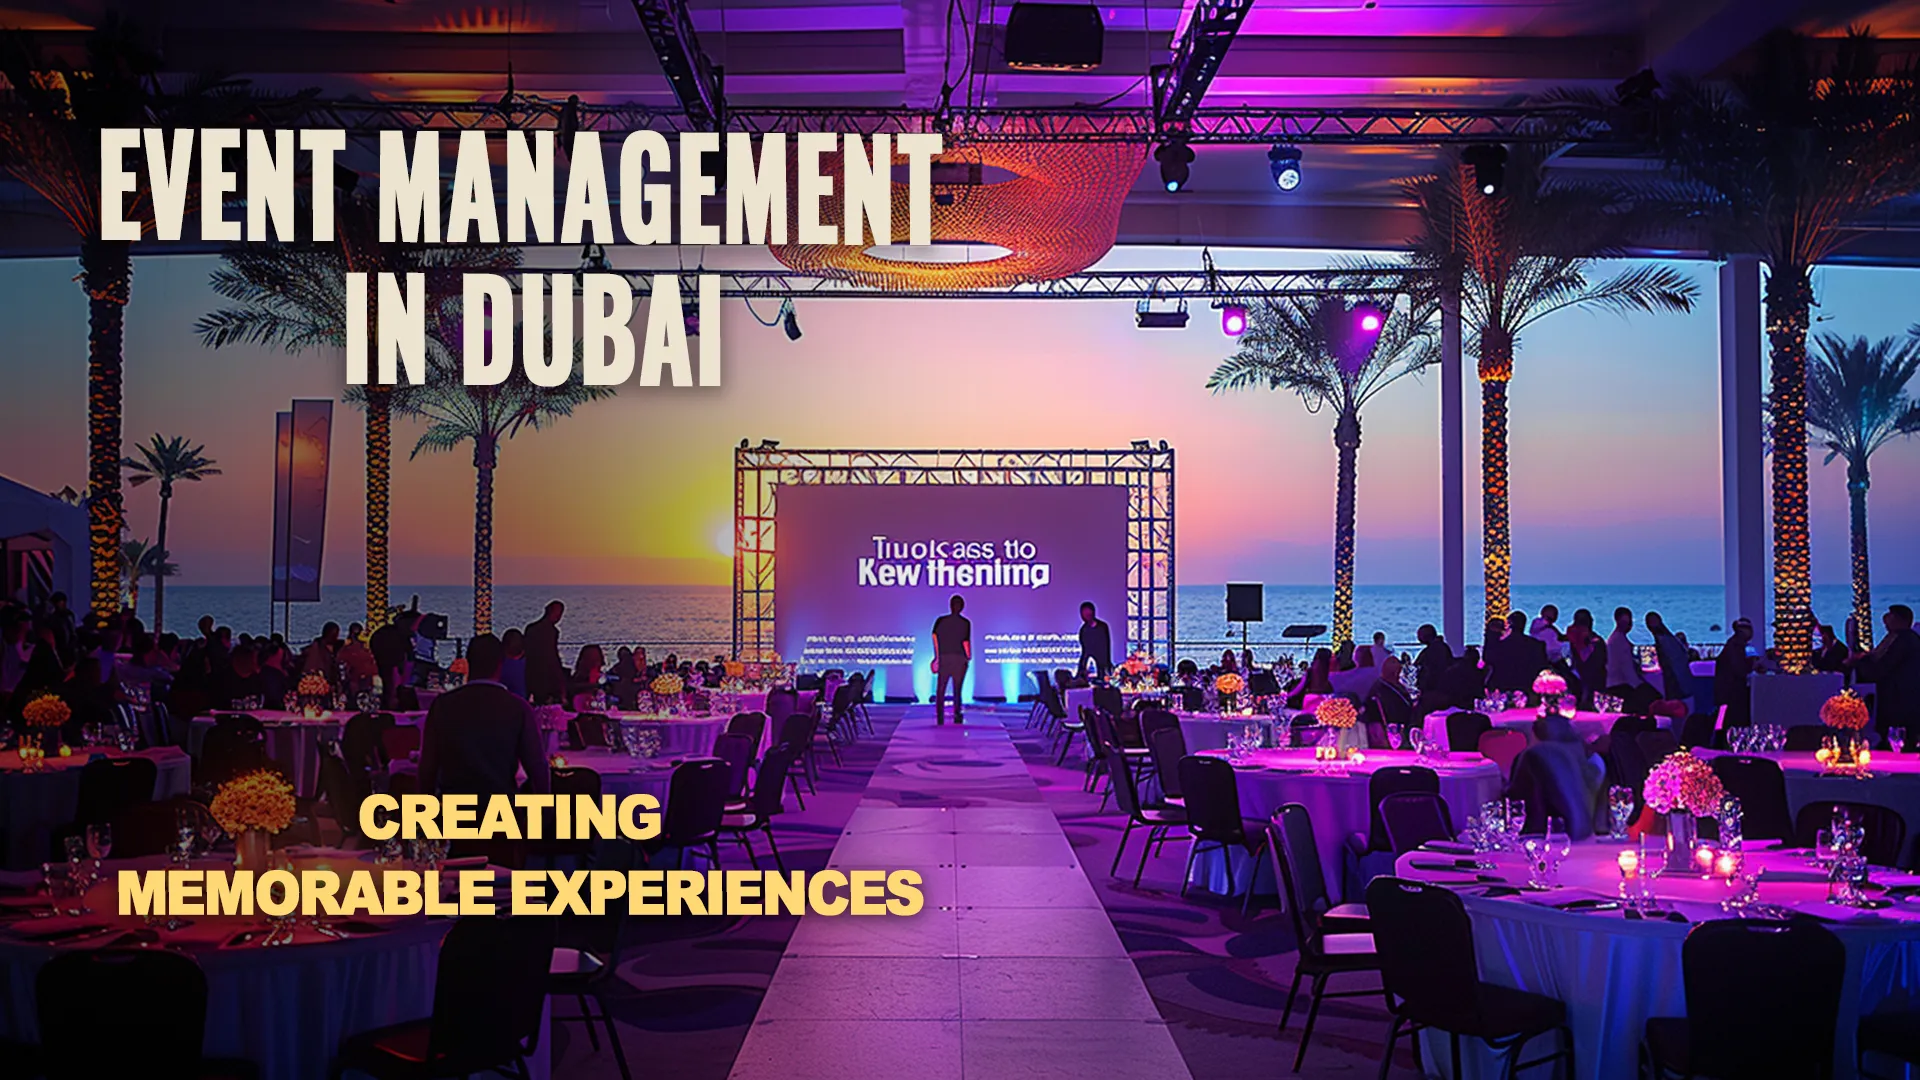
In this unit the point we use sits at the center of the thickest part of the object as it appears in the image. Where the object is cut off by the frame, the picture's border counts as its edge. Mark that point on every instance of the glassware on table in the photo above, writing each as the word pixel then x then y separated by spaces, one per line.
pixel 99 840
pixel 1417 739
pixel 1619 812
pixel 186 830
pixel 1396 734
pixel 1897 739
pixel 1535 846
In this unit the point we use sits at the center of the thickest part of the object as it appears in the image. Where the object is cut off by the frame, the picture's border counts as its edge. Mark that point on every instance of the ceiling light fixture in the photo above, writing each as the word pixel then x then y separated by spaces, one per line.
pixel 1284 163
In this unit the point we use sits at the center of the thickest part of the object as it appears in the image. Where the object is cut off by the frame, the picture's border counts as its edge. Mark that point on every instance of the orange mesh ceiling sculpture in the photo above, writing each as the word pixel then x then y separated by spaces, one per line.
pixel 1055 209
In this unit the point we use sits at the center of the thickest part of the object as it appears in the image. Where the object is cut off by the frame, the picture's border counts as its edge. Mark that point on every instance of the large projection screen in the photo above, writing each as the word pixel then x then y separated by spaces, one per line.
pixel 865 569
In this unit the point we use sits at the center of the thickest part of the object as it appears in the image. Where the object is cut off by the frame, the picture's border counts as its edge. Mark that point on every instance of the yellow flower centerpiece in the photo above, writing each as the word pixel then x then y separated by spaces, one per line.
pixel 1844 711
pixel 734 669
pixel 46 711
pixel 1336 712
pixel 667 685
pixel 312 695
pixel 1845 754
pixel 250 808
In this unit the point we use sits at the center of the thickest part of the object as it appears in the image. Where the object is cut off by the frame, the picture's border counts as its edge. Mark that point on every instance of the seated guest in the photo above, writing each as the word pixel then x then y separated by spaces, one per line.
pixel 1513 657
pixel 323 654
pixel 357 665
pixel 1829 653
pixel 1730 671
pixel 274 681
pixel 1676 674
pixel 1464 683
pixel 513 663
pixel 1893 667
pixel 1228 663
pixel 1547 633
pixel 478 737
pixel 148 666
pixel 1436 656
pixel 585 680
pixel 1316 681
pixel 1247 666
pixel 88 702
pixel 243 680
pixel 1587 657
pixel 1188 671
pixel 1625 680
pixel 1359 680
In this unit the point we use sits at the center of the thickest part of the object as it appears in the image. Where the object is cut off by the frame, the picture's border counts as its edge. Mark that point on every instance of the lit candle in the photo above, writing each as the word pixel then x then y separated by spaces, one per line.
pixel 1629 861
pixel 1703 858
pixel 1726 865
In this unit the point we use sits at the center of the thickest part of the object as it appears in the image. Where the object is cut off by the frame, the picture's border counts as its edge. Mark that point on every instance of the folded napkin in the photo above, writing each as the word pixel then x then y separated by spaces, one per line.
pixel 1444 866
pixel 1450 847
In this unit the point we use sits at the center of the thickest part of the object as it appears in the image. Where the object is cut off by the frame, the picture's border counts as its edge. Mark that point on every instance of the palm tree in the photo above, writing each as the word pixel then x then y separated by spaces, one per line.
pixel 1309 347
pixel 166 461
pixel 1515 258
pixel 1857 399
pixel 50 125
pixel 139 559
pixel 294 296
pixel 1782 157
pixel 486 416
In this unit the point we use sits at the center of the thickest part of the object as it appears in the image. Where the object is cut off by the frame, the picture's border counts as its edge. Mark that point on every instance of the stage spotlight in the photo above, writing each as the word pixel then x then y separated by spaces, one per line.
pixel 789 321
pixel 1489 164
pixel 1146 318
pixel 1142 444
pixel 769 444
pixel 1284 163
pixel 1370 321
pixel 1233 320
pixel 1176 164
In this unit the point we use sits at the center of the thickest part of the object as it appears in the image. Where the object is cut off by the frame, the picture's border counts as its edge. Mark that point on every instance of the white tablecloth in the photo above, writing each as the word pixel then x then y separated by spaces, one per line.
pixel 1588 725
pixel 1209 731
pixel 293 741
pixel 31 804
pixel 1338 805
pixel 689 737
pixel 1614 973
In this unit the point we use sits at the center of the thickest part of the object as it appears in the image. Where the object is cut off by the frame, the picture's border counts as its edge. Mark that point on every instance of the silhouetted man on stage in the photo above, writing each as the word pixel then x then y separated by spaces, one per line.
pixel 1096 643
pixel 952 650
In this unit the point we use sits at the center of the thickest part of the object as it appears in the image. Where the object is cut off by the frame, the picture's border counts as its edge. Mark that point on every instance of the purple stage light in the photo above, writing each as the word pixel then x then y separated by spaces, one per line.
pixel 1370 322
pixel 1233 320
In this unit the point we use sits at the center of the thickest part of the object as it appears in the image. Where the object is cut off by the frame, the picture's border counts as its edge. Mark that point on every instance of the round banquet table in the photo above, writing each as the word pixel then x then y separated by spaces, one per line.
pixel 285 1008
pixel 1588 725
pixel 1614 973
pixel 293 740
pixel 680 736
pixel 32 804
pixel 620 775
pixel 1894 783
pixel 1338 805
pixel 1209 731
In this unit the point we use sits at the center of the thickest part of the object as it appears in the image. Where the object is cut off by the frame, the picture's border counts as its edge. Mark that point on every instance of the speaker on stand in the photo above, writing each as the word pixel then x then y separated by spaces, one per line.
pixel 1246 603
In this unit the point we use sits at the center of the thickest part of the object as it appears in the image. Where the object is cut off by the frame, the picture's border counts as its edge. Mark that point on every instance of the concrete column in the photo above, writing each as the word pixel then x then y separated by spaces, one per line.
pixel 1453 547
pixel 1742 459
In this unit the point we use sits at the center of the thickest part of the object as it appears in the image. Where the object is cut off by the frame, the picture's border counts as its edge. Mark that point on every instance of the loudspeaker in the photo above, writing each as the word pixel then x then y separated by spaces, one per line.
pixel 1245 602
pixel 1054 37
pixel 432 627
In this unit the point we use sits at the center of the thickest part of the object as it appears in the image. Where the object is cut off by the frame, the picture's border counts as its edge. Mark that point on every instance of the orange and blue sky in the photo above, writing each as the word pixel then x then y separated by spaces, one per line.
pixel 1615 436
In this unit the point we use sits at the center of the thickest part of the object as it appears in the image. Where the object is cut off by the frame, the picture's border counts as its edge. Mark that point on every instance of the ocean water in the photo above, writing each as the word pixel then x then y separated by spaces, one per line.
pixel 697 620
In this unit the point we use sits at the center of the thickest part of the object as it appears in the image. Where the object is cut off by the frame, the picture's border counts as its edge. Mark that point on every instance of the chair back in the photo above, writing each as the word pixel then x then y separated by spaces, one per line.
pixel 1126 791
pixel 1761 786
pixel 1425 944
pixel 1390 780
pixel 1545 780
pixel 111 785
pixel 1762 997
pixel 1464 730
pixel 769 784
pixel 1501 746
pixel 1192 698
pixel 1697 731
pixel 575 780
pixel 1296 863
pixel 1394 706
pixel 1413 818
pixel 1656 745
pixel 737 751
pixel 1050 697
pixel 343 794
pixel 753 724
pixel 230 749
pixel 696 802
pixel 1886 829
pixel 844 695
pixel 400 741
pixel 587 731
pixel 154 999
pixel 1262 684
pixel 780 705
pixel 489 993
pixel 1806 738
pixel 1167 746
pixel 1213 799
pixel 360 740
pixel 1152 720
pixel 798 729
pixel 152 828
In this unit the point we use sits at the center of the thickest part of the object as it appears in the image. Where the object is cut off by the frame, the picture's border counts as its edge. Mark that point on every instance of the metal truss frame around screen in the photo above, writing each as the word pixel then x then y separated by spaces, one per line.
pixel 1145 470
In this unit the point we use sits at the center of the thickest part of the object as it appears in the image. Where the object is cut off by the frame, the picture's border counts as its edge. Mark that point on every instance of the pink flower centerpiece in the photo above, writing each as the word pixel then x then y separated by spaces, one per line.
pixel 1685 789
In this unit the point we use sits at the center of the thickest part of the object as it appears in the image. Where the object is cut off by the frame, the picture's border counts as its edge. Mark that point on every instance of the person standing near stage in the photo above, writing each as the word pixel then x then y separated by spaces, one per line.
pixel 546 675
pixel 952 651
pixel 1096 643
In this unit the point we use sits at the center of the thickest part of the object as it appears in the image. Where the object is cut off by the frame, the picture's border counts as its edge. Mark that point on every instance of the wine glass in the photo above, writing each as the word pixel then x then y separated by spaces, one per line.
pixel 1535 847
pixel 1396 734
pixel 1417 739
pixel 1619 812
pixel 1559 845
pixel 99 841
pixel 1897 739
pixel 210 833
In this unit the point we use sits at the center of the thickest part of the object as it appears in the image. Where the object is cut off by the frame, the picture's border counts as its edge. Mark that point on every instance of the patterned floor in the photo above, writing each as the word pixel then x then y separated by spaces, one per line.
pixel 690 988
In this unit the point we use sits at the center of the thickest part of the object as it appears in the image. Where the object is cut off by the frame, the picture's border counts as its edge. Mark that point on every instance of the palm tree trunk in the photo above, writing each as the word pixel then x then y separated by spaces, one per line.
pixel 1857 484
pixel 379 408
pixel 485 458
pixel 160 564
pixel 1496 541
pixel 106 272
pixel 1346 438
pixel 1789 300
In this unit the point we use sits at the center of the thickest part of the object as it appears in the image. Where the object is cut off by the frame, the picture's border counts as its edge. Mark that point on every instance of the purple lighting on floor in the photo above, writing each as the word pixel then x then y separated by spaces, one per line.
pixel 1233 320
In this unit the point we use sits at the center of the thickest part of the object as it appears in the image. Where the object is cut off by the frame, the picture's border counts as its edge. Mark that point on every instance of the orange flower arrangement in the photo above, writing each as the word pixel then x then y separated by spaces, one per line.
pixel 733 669
pixel 46 711
pixel 667 685
pixel 1844 711
pixel 260 800
pixel 458 667
pixel 1229 683
pixel 313 684
pixel 1336 712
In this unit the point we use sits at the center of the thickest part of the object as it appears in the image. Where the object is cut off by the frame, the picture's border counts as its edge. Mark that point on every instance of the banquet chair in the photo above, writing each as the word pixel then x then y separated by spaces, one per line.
pixel 1393 704
pixel 234 745
pixel 588 953
pixel 1050 703
pixel 1322 955
pixel 1892 1033
pixel 840 719
pixel 1309 881
pixel 360 740
pixel 1761 786
pixel 1501 746
pixel 162 729
pixel 1158 821
pixel 1806 738
pixel 587 731
pixel 1886 843
pixel 1192 698
pixel 751 724
pixel 1697 731
pixel 153 828
pixel 1134 755
pixel 696 807
pixel 756 812
pixel 781 703
pixel 1213 818
pixel 1413 818
pixel 1432 976
pixel 1393 780
pixel 1465 728
pixel 866 698
pixel 1108 700
pixel 737 751
pixel 1153 719
pixel 1070 727
pixel 1544 782
pixel 567 780
pixel 111 785
pixel 1101 752
pixel 155 1001
pixel 1656 746
pixel 344 789
pixel 1167 746
pixel 489 993
pixel 1762 1000
pixel 1373 722
pixel 797 731
pixel 1037 714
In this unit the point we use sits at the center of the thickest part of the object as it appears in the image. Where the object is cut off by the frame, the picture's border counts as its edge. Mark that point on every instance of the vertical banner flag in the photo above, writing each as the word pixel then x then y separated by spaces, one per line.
pixel 302 454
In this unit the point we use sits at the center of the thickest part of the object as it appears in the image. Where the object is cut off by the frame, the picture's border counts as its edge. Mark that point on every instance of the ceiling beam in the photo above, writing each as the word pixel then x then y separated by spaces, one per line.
pixel 695 81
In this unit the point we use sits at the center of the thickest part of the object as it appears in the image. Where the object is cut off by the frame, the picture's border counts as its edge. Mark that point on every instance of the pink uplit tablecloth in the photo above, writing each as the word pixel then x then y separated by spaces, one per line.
pixel 1338 805
pixel 1894 782
pixel 1614 973
pixel 1588 725
pixel 284 1008
pixel 620 775
pixel 293 740
pixel 688 736
pixel 32 804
